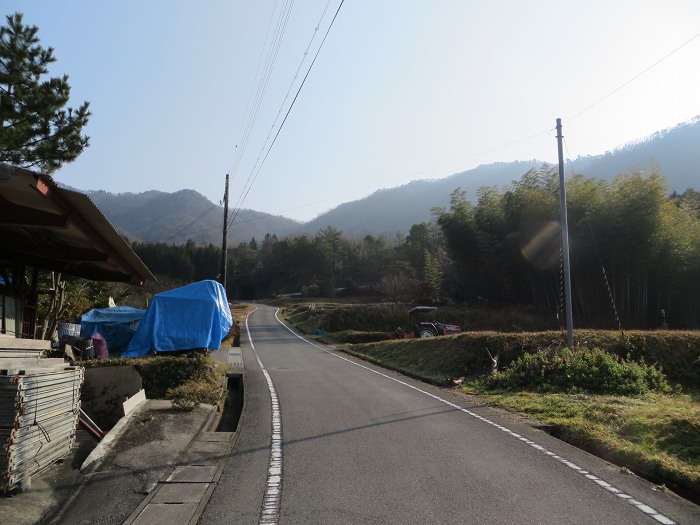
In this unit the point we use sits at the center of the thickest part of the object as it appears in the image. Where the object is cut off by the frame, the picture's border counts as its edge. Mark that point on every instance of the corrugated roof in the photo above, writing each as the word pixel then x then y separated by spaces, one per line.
pixel 62 230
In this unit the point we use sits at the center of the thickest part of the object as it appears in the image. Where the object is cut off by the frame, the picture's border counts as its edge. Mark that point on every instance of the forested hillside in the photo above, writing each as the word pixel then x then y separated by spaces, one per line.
pixel 635 254
pixel 393 210
pixel 187 215
pixel 674 153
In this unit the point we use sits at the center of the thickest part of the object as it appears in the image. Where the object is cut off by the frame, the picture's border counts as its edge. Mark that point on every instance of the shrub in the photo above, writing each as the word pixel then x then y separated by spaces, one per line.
pixel 192 393
pixel 355 337
pixel 593 371
pixel 161 373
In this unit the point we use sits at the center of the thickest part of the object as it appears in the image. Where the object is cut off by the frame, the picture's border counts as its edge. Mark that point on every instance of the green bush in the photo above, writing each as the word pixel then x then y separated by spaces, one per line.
pixel 594 371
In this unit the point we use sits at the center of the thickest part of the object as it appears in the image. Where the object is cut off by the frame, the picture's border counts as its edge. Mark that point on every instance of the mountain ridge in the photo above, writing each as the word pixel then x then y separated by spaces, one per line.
pixel 156 216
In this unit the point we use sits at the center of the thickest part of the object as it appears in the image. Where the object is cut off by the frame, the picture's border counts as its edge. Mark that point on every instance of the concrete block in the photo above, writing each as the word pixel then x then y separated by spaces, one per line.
pixel 180 493
pixel 166 514
pixel 133 402
pixel 193 474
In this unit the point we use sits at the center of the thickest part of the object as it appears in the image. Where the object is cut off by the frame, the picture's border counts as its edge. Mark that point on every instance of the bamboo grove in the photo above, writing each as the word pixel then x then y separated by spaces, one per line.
pixel 635 254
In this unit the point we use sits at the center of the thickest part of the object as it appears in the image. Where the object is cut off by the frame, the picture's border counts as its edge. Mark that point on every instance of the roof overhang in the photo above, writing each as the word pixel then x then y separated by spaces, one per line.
pixel 61 230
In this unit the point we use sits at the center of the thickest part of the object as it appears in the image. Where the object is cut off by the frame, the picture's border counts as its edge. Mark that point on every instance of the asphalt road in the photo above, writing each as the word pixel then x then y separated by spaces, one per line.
pixel 355 444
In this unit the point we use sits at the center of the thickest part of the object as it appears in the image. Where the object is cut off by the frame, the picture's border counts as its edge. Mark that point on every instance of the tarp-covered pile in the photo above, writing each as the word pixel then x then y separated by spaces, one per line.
pixel 116 325
pixel 186 318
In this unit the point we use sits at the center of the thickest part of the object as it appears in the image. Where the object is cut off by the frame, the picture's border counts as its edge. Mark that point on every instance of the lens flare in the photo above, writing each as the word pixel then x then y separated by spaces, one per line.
pixel 542 250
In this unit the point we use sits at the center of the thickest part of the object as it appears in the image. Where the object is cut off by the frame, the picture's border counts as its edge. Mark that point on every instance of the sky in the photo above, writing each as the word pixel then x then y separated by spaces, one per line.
pixel 183 92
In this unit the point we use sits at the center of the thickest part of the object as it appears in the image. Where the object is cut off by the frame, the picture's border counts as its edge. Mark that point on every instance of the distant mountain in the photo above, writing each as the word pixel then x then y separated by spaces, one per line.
pixel 156 216
pixel 175 218
pixel 390 211
pixel 675 151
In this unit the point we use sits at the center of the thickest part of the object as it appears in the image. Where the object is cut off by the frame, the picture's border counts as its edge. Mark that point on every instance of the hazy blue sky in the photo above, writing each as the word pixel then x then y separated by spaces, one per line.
pixel 401 90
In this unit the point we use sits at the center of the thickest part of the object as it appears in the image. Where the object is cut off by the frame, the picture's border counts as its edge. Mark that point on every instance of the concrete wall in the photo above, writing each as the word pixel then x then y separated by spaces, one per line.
pixel 105 390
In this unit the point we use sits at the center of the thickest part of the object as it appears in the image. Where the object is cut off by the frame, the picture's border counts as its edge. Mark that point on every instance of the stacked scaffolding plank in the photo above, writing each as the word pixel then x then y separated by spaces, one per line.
pixel 39 409
pixel 12 347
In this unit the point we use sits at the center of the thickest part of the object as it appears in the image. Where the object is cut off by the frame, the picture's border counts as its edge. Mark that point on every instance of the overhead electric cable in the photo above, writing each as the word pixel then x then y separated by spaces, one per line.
pixel 291 85
pixel 259 167
pixel 261 83
pixel 279 112
pixel 356 190
pixel 633 78
pixel 182 230
pixel 246 113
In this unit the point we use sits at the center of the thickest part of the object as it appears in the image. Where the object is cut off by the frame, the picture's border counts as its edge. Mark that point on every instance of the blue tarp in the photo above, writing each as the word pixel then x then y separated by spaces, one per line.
pixel 117 325
pixel 193 316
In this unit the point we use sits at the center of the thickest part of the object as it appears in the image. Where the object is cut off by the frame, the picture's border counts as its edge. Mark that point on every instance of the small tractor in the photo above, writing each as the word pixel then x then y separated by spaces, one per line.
pixel 425 328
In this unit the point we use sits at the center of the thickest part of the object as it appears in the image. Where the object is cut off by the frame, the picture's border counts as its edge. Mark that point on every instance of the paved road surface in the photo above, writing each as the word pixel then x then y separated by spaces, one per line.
pixel 355 444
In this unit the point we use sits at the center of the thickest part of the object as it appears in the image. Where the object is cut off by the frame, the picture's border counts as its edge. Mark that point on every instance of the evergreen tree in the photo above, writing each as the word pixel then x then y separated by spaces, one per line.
pixel 36 129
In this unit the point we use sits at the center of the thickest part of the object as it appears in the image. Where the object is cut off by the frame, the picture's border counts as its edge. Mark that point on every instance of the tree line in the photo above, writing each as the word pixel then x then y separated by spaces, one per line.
pixel 635 249
pixel 635 254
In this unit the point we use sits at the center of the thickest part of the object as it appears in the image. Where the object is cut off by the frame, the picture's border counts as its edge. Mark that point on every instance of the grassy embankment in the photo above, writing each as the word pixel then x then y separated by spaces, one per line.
pixel 650 426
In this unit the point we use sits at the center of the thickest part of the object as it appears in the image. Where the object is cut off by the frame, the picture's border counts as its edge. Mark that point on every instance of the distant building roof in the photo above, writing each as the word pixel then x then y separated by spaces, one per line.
pixel 62 230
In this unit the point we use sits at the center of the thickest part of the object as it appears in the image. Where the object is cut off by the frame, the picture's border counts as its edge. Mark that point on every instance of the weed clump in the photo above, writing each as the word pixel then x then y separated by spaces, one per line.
pixel 192 393
pixel 592 371
pixel 191 375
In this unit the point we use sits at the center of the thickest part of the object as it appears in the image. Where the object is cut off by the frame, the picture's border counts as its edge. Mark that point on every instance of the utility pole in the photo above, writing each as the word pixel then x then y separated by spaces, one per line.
pixel 565 242
pixel 223 244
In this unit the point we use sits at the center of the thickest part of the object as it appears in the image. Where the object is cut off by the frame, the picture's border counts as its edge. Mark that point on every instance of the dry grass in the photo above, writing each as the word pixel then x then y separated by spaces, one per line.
pixel 241 310
pixel 655 435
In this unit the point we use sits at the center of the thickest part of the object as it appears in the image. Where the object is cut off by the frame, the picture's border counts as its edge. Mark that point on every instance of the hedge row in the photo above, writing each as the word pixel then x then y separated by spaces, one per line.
pixel 676 353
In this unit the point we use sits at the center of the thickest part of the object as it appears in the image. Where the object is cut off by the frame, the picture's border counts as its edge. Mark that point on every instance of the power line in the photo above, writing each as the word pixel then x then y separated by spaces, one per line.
pixel 633 78
pixel 245 195
pixel 182 230
pixel 234 168
pixel 505 145
pixel 502 146
pixel 261 81
pixel 279 112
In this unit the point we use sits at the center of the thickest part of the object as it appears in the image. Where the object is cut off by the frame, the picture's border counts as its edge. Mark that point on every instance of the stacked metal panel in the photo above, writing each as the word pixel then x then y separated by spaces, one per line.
pixel 39 410
pixel 6 353
pixel 11 347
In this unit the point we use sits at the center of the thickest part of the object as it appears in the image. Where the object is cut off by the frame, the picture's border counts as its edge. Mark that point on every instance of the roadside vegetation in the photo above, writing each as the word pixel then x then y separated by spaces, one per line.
pixel 188 379
pixel 635 259
pixel 632 399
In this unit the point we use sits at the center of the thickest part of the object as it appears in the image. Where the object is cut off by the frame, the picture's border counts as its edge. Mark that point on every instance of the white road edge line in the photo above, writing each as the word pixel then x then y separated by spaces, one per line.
pixel 273 486
pixel 647 510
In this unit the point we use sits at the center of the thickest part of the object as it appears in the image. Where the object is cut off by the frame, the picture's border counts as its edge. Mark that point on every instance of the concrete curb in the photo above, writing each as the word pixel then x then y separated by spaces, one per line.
pixel 189 515
pixel 135 515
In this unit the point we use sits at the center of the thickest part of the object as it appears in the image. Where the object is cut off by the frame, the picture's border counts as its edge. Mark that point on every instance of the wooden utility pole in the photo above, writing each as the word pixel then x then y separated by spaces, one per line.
pixel 565 242
pixel 222 279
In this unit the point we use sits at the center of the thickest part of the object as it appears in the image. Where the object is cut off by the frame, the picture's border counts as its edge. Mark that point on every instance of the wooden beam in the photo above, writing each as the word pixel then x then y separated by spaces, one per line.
pixel 17 215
